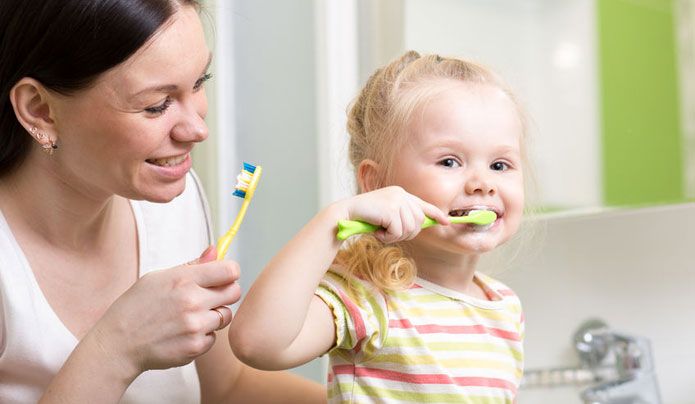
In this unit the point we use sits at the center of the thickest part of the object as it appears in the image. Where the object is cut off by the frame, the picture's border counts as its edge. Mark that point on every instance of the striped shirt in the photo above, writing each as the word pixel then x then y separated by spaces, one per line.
pixel 425 344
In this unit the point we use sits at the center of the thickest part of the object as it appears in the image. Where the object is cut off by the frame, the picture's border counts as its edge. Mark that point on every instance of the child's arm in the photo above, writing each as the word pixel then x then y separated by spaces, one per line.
pixel 281 323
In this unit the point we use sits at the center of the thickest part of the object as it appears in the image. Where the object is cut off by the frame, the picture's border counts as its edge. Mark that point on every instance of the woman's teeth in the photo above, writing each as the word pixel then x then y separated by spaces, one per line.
pixel 167 162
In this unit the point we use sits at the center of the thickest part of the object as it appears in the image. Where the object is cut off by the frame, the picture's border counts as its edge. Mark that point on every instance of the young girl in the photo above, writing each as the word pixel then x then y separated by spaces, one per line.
pixel 402 312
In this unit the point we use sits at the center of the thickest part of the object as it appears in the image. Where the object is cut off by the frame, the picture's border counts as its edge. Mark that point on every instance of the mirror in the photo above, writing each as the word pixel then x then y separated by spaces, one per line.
pixel 608 84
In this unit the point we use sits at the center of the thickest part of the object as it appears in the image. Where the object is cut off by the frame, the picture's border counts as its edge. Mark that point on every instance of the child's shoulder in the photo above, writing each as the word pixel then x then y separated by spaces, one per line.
pixel 497 287
pixel 338 279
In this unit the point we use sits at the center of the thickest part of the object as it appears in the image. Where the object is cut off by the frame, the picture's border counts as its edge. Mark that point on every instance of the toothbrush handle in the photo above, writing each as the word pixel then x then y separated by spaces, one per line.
pixel 347 228
pixel 225 241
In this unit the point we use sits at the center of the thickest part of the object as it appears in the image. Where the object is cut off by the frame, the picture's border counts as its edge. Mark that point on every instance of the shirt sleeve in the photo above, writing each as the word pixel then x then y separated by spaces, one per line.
pixel 359 311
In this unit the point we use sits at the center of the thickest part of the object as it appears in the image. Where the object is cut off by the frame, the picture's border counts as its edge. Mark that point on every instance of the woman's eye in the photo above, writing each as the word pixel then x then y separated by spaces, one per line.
pixel 159 109
pixel 199 83
pixel 451 163
pixel 499 166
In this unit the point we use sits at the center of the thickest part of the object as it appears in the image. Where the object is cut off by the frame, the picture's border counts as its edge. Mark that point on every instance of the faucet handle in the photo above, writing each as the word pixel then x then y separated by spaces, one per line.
pixel 591 342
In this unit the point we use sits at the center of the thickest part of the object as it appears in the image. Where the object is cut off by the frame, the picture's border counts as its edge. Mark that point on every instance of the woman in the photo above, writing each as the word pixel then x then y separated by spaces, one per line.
pixel 101 102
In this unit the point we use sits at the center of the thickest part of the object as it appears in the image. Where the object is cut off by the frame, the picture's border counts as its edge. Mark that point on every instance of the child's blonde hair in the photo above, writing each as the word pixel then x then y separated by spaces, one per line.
pixel 377 119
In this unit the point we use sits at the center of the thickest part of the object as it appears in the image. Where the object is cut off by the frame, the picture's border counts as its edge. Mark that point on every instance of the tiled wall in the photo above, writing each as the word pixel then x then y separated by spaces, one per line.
pixel 635 269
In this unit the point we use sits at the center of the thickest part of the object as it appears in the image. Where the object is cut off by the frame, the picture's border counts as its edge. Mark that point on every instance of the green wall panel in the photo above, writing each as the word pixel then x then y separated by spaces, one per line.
pixel 640 104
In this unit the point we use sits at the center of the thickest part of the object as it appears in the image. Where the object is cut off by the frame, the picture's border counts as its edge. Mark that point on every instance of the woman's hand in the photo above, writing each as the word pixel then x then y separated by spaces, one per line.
pixel 168 317
pixel 398 212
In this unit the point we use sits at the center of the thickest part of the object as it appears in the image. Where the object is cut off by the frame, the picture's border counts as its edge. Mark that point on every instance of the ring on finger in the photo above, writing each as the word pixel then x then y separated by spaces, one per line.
pixel 221 324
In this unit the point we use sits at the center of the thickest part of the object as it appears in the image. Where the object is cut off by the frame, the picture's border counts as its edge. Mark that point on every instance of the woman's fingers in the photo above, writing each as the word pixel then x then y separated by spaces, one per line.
pixel 220 317
pixel 222 295
pixel 217 273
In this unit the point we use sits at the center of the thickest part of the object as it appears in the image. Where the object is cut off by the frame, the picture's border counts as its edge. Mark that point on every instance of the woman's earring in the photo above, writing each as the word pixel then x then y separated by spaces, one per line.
pixel 47 144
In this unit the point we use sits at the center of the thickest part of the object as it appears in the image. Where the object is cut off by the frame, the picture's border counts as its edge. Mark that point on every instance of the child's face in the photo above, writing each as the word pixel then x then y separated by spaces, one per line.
pixel 463 152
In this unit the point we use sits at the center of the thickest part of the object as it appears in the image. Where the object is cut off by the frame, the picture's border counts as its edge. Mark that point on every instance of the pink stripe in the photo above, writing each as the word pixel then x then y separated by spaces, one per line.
pixel 424 378
pixel 506 292
pixel 455 329
pixel 360 329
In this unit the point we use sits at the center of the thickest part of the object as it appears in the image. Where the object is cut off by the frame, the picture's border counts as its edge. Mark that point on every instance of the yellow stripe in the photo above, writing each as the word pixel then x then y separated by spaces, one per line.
pixel 416 397
pixel 463 311
pixel 398 342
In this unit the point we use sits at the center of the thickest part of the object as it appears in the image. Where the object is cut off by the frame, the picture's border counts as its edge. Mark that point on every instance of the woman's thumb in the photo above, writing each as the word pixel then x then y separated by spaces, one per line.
pixel 210 254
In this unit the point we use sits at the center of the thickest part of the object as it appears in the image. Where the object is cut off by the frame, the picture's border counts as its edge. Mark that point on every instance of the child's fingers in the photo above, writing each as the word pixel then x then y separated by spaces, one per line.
pixel 393 229
pixel 410 225
pixel 414 217
pixel 435 213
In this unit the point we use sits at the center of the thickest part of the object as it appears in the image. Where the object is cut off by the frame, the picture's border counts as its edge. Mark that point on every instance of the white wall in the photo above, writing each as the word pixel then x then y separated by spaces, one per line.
pixel 635 269
pixel 546 50
pixel 685 12
pixel 267 113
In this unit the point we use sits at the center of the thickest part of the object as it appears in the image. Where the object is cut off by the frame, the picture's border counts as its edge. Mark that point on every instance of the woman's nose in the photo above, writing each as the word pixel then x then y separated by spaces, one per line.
pixel 191 126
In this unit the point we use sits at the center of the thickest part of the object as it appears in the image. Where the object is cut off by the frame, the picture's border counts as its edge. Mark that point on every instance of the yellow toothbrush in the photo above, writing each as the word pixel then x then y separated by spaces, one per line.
pixel 245 187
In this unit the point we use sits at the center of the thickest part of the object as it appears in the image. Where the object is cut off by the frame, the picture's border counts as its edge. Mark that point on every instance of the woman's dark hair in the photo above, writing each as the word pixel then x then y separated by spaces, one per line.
pixel 66 45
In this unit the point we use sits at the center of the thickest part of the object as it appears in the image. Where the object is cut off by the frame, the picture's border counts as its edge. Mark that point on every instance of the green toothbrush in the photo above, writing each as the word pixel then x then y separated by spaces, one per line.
pixel 347 228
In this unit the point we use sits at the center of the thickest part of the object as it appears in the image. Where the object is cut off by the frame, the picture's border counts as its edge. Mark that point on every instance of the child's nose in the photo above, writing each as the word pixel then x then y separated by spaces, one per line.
pixel 481 184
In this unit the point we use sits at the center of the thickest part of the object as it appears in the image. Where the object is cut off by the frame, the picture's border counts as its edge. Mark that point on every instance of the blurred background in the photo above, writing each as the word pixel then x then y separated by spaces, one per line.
pixel 610 88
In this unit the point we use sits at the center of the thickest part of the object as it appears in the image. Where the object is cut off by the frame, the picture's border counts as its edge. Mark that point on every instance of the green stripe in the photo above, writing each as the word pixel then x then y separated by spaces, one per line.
pixel 640 107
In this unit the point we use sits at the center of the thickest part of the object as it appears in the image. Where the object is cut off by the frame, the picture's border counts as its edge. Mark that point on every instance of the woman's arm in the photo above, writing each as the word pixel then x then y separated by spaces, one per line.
pixel 281 323
pixel 91 374
pixel 164 320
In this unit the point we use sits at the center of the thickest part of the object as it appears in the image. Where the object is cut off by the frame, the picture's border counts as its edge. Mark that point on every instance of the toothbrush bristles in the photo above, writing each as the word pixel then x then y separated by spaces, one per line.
pixel 244 179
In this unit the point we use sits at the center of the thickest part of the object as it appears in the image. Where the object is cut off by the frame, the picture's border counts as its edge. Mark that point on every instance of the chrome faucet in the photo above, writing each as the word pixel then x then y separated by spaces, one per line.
pixel 622 366
pixel 615 368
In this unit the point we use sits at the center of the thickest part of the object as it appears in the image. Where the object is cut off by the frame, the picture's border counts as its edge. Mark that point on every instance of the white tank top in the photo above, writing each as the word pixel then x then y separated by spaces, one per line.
pixel 34 343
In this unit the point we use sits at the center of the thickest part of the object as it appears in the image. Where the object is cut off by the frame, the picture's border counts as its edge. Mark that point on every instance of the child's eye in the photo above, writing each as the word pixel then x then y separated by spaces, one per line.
pixel 499 166
pixel 450 162
pixel 159 109
pixel 199 83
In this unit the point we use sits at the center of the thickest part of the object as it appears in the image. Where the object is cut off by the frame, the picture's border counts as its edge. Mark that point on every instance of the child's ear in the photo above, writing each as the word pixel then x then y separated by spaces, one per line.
pixel 368 176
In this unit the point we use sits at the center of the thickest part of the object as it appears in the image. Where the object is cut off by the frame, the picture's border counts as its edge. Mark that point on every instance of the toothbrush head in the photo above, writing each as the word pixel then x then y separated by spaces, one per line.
pixel 247 181
pixel 245 187
pixel 477 217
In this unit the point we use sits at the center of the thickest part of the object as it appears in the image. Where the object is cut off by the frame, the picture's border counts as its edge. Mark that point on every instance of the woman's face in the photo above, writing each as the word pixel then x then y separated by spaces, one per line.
pixel 132 132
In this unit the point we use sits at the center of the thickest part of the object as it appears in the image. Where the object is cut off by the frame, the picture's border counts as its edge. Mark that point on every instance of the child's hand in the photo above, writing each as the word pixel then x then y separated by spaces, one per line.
pixel 399 213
